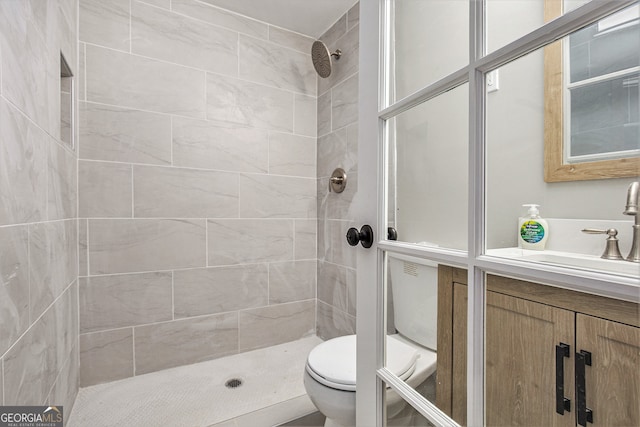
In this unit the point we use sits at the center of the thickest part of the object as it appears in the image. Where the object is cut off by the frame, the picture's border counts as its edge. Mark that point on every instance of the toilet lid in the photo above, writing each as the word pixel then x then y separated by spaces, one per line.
pixel 333 362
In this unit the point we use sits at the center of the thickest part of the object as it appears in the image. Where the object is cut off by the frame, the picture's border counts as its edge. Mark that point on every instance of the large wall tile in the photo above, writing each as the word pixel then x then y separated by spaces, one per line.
pixel 344 108
pixel 131 81
pixel 216 290
pixel 67 31
pixel 30 60
pixel 305 115
pixel 53 254
pixel 166 4
pixel 289 39
pixel 122 135
pixel 165 345
pixel 276 324
pixel 14 284
pixel 332 246
pixel 337 30
pixel 1 382
pixel 104 190
pixel 352 147
pixel 292 155
pixel 332 152
pixel 122 246
pixel 338 206
pixel 352 292
pixel 332 285
pixel 163 192
pixel 82 96
pixel 353 16
pixel 65 312
pixel 334 323
pixel 292 281
pixel 157 33
pixel 83 248
pixel 66 388
pixel 244 103
pixel 106 356
pixel 262 62
pixel 203 144
pixel 324 113
pixel 30 365
pixel 116 301
pixel 239 241
pixel 221 17
pixel 266 196
pixel 62 193
pixel 306 238
pixel 105 23
pixel 23 165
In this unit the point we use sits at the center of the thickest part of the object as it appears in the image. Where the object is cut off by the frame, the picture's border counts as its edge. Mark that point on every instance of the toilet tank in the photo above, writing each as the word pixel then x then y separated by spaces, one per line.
pixel 414 289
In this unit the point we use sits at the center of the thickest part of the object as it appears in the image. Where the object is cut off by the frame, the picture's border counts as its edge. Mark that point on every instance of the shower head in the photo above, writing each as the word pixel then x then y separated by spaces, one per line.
pixel 321 58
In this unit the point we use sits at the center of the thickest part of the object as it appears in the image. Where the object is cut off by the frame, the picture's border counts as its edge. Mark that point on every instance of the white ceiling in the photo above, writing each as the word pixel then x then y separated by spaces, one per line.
pixel 310 17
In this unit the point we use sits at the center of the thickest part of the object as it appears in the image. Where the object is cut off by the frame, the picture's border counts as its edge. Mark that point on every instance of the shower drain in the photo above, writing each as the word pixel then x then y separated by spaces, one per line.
pixel 233 383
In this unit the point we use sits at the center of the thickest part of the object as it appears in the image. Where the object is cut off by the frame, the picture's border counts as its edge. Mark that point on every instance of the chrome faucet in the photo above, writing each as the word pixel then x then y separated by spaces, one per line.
pixel 632 209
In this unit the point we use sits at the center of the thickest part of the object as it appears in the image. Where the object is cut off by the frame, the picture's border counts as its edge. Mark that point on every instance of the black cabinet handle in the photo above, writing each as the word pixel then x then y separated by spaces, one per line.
pixel 562 403
pixel 585 415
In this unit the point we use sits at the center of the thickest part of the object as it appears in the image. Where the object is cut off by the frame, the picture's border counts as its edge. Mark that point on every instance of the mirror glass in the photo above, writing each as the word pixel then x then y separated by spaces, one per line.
pixel 601 89
pixel 592 99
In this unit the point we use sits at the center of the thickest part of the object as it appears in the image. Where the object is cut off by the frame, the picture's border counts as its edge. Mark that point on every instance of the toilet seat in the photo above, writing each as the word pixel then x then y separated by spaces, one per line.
pixel 333 362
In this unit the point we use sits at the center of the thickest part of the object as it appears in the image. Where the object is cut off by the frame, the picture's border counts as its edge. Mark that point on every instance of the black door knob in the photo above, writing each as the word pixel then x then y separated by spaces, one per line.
pixel 392 234
pixel 364 236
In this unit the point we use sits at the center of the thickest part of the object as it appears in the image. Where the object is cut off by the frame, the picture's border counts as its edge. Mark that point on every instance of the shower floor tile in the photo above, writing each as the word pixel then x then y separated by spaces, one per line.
pixel 195 395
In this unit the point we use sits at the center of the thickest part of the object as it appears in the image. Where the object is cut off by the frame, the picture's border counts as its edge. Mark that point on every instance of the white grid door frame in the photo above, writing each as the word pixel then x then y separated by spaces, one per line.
pixel 474 260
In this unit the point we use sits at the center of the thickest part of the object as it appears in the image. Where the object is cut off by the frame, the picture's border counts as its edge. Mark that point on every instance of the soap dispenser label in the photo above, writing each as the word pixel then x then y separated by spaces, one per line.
pixel 531 231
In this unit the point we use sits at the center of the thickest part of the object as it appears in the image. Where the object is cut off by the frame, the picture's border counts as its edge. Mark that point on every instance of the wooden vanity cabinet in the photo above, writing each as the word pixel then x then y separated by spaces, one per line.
pixel 534 333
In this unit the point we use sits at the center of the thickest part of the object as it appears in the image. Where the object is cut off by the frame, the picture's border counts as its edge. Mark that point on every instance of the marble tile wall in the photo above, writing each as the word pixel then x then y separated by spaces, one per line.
pixel 337 146
pixel 38 207
pixel 197 186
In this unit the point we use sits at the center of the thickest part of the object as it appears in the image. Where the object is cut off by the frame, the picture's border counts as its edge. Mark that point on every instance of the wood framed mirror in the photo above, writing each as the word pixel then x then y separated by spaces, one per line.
pixel 624 159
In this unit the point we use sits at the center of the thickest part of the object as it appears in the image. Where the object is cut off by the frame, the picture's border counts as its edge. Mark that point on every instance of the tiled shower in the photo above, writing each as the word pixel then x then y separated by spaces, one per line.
pixel 192 220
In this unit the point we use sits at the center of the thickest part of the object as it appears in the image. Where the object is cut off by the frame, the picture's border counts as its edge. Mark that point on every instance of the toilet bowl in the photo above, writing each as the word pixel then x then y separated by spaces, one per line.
pixel 330 372
pixel 330 375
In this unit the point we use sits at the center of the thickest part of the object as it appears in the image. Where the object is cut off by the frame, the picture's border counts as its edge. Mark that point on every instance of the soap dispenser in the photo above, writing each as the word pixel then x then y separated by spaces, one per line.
pixel 533 231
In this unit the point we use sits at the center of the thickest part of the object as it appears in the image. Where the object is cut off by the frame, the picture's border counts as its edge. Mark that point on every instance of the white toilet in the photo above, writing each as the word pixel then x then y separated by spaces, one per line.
pixel 330 372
